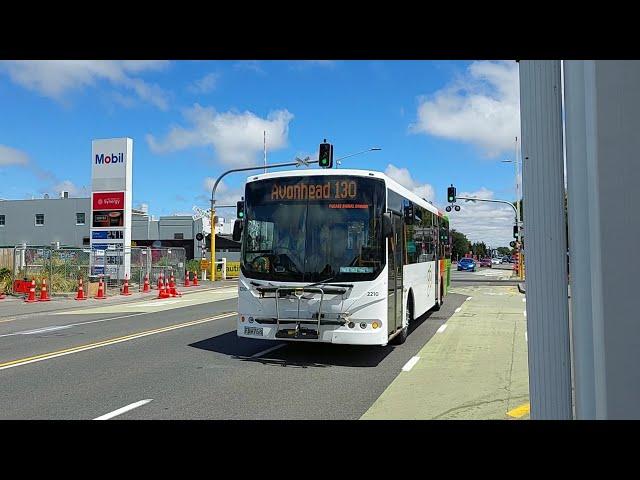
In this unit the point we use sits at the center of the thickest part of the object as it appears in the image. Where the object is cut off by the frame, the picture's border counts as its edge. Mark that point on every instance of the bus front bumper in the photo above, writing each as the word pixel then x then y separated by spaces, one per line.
pixel 307 330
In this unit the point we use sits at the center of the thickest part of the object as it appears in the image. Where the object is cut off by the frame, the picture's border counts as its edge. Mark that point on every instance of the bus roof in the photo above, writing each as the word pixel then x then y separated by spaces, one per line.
pixel 390 183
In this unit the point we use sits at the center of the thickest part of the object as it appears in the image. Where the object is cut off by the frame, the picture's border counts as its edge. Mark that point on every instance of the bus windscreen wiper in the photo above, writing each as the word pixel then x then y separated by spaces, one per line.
pixel 321 281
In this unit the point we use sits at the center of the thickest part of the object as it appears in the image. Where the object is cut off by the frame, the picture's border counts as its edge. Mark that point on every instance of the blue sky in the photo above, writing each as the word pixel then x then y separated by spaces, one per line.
pixel 437 122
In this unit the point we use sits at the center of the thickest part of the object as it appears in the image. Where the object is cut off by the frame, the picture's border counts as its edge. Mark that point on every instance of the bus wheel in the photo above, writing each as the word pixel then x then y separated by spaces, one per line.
pixel 402 336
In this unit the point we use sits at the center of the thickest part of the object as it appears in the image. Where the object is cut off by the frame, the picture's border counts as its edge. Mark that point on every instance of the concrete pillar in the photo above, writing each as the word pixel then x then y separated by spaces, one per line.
pixel 546 244
pixel 603 173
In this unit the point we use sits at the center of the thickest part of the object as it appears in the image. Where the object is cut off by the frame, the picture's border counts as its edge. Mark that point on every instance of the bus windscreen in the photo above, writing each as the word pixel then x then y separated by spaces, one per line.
pixel 315 228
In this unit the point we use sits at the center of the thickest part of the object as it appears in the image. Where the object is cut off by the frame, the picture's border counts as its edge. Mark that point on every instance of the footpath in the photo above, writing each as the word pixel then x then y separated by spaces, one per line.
pixel 13 307
pixel 474 368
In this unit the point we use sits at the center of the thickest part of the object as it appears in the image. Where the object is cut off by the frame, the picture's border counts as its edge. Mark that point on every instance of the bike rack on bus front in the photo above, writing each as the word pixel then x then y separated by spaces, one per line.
pixel 298 292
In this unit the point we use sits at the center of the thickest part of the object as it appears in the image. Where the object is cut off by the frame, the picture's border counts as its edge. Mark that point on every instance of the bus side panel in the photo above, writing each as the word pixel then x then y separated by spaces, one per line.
pixel 421 278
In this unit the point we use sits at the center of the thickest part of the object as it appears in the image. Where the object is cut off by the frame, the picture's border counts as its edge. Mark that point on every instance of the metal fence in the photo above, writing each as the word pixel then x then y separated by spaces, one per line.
pixel 62 268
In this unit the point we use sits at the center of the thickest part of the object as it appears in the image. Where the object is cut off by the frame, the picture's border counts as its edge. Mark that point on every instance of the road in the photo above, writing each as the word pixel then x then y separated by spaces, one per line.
pixel 181 359
pixel 497 273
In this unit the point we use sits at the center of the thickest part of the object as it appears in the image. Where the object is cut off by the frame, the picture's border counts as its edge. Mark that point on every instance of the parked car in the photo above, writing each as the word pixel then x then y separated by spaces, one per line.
pixel 506 259
pixel 485 262
pixel 496 261
pixel 467 264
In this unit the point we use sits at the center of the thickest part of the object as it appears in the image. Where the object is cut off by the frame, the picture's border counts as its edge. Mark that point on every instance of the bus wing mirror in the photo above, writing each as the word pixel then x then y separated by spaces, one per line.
pixel 387 225
pixel 237 230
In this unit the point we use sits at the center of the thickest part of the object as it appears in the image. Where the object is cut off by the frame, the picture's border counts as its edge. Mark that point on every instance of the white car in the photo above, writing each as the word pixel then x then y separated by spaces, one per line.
pixel 496 261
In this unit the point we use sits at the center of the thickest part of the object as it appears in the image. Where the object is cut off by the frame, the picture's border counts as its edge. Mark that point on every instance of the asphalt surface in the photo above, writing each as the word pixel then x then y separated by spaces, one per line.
pixel 496 275
pixel 183 360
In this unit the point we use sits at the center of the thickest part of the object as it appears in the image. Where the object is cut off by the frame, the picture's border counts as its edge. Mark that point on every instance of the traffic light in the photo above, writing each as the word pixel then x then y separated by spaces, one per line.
pixel 325 159
pixel 451 194
pixel 408 214
pixel 515 231
pixel 240 210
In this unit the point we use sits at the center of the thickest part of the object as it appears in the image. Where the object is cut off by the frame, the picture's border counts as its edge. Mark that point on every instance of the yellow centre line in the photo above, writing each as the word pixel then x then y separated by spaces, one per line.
pixel 520 411
pixel 111 341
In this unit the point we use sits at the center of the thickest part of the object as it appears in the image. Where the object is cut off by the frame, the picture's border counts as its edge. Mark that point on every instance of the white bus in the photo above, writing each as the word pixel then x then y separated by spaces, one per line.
pixel 338 256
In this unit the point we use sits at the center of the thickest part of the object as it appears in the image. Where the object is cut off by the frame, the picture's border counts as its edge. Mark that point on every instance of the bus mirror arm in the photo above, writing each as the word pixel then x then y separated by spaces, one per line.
pixel 387 225
pixel 237 230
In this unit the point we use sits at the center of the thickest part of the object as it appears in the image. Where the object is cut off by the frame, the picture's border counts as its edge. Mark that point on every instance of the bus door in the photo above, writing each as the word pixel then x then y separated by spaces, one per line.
pixel 395 254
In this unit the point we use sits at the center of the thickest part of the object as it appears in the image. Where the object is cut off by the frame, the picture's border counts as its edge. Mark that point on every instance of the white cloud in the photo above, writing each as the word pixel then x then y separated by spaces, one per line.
pixel 404 178
pixel 481 108
pixel 56 78
pixel 205 84
pixel 12 156
pixel 69 186
pixel 486 222
pixel 236 137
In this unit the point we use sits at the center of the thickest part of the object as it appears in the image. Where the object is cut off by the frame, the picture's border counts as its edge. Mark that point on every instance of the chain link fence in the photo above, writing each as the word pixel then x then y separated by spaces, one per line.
pixel 62 268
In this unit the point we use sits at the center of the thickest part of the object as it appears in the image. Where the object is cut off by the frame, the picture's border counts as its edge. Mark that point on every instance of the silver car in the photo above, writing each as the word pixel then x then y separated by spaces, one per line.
pixel 496 261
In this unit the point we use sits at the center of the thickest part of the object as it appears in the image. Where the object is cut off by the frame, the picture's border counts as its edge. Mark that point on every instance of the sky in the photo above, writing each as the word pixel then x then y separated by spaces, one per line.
pixel 437 123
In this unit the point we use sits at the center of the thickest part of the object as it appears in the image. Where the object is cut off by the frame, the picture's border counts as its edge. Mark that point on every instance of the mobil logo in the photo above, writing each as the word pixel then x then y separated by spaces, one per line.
pixel 101 158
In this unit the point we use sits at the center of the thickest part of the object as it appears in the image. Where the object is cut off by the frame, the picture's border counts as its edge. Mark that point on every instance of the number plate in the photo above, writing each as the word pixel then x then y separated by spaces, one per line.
pixel 253 331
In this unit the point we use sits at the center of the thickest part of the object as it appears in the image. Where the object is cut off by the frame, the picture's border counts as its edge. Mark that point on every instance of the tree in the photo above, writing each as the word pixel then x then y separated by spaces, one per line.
pixel 460 244
pixel 504 251
pixel 479 249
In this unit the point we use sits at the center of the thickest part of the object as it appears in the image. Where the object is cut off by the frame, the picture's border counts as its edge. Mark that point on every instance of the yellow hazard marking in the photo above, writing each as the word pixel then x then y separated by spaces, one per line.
pixel 520 411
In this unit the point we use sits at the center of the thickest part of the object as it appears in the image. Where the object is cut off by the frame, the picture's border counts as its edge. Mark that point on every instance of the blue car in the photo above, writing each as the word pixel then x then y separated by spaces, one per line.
pixel 467 264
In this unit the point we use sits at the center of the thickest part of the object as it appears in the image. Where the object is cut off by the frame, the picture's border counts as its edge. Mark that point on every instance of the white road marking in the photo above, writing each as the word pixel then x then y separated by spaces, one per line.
pixel 524 312
pixel 268 350
pixel 457 309
pixel 409 365
pixel 442 328
pixel 88 321
pixel 122 410
pixel 525 337
pixel 468 298
pixel 104 343
pixel 524 299
pixel 39 330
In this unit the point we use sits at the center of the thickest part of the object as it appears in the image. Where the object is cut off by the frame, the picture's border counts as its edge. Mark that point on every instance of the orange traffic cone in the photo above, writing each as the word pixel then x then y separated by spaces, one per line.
pixel 162 292
pixel 44 295
pixel 101 295
pixel 172 288
pixel 160 281
pixel 125 288
pixel 195 279
pixel 186 279
pixel 32 293
pixel 146 288
pixel 80 295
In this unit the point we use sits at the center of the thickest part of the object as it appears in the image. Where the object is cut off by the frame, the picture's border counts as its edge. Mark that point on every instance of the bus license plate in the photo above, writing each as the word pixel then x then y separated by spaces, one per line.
pixel 253 331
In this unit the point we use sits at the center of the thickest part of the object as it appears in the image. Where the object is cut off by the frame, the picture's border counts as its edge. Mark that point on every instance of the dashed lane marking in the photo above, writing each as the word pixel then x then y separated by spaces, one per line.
pixel 124 409
pixel 410 364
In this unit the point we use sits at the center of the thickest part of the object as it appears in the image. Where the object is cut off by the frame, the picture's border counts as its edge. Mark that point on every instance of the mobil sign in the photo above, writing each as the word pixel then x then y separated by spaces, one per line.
pixel 111 164
pixel 113 158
